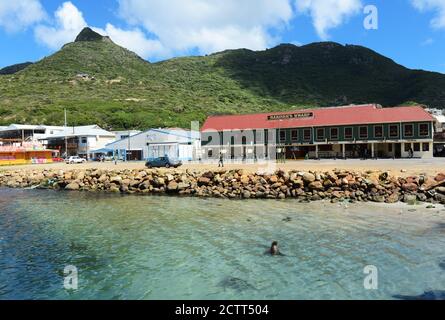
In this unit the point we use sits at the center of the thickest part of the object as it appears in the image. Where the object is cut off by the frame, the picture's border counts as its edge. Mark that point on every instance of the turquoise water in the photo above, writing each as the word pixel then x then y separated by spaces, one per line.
pixel 147 247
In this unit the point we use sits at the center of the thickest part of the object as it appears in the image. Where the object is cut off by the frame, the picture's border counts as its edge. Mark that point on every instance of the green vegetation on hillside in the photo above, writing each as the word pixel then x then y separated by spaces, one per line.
pixel 100 82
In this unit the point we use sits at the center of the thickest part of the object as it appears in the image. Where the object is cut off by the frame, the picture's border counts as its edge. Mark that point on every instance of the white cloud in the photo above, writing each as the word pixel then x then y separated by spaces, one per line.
pixel 427 42
pixel 438 22
pixel 134 40
pixel 69 22
pixel 328 14
pixel 17 15
pixel 209 26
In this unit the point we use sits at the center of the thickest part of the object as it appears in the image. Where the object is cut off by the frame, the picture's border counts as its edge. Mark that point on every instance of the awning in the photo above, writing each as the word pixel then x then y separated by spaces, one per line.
pixel 103 150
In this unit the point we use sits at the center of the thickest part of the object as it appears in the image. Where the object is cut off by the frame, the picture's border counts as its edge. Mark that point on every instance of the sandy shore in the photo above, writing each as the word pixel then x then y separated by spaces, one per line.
pixel 400 167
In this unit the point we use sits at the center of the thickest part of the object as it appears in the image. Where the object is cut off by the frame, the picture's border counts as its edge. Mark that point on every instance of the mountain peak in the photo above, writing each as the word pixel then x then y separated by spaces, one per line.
pixel 87 34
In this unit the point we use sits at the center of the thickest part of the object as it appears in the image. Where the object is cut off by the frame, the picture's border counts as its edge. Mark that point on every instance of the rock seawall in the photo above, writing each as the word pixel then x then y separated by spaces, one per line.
pixel 236 184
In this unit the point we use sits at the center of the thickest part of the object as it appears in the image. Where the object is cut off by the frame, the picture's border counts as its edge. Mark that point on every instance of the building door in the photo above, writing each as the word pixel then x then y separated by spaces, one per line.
pixel 397 150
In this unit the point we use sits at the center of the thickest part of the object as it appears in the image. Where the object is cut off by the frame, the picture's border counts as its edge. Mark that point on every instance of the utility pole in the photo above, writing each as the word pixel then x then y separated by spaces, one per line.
pixel 66 138
pixel 129 145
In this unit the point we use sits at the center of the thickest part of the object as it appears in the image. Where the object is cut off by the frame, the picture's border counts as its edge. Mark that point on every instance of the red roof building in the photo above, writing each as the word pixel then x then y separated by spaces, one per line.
pixel 348 131
pixel 323 117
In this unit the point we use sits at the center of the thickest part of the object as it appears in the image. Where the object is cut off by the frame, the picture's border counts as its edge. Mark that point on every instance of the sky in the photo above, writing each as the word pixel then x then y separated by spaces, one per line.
pixel 411 32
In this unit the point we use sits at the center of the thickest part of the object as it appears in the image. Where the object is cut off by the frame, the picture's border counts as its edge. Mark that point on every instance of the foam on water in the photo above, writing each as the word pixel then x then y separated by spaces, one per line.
pixel 147 247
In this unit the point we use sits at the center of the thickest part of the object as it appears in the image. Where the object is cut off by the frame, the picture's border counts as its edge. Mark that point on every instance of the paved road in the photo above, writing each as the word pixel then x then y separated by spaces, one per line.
pixel 401 167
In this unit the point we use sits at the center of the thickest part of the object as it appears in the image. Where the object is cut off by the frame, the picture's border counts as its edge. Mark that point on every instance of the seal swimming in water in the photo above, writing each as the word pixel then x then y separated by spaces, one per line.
pixel 274 251
pixel 236 284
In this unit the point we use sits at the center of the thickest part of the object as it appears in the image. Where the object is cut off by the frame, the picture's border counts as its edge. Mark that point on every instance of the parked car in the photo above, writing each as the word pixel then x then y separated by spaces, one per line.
pixel 57 159
pixel 75 159
pixel 163 162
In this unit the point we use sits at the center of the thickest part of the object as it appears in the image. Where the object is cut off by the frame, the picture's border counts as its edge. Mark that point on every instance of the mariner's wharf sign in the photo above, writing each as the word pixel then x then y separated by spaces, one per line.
pixel 298 115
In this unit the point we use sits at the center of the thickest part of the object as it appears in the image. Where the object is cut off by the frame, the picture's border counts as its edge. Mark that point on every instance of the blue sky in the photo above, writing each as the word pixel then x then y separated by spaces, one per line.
pixel 412 32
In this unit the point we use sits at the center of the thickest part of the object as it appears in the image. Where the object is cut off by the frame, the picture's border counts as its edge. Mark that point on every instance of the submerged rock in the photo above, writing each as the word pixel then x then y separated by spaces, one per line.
pixel 236 284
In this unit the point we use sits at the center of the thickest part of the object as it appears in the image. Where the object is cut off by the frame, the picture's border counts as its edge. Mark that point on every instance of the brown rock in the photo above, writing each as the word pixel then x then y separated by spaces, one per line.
pixel 203 181
pixel 72 186
pixel 410 186
pixel 273 179
pixel 316 185
pixel 441 190
pixel 428 184
pixel 393 198
pixel 172 186
pixel 440 177
pixel 308 177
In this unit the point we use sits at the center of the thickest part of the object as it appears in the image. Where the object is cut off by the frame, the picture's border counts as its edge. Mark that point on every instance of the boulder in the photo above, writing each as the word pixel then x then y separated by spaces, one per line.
pixel 159 182
pixel 440 190
pixel 410 198
pixel 273 179
pixel 316 185
pixel 428 184
pixel 378 198
pixel 440 177
pixel 440 198
pixel 116 179
pixel 203 181
pixel 72 186
pixel 183 186
pixel 308 177
pixel 411 187
pixel 172 186
pixel 393 198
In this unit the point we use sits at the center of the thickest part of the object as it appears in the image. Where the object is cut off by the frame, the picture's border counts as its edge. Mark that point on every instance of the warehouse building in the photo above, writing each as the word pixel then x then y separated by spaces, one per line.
pixel 356 131
pixel 175 143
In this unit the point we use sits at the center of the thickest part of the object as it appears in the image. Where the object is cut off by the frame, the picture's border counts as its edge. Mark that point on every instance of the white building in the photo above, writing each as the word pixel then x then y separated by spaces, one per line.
pixel 81 140
pixel 124 134
pixel 439 128
pixel 176 143
pixel 28 132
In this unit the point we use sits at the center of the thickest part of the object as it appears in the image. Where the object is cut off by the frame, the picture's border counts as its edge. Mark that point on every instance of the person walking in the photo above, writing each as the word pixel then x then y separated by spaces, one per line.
pixel 221 160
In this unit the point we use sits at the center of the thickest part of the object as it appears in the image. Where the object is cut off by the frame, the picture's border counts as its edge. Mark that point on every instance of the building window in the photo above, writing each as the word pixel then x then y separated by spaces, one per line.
pixel 282 136
pixel 394 131
pixel 416 147
pixel 425 147
pixel 84 140
pixel 378 132
pixel 363 133
pixel 408 130
pixel 307 134
pixel 424 129
pixel 407 147
pixel 326 148
pixel 390 147
pixel 294 135
pixel 334 133
pixel 320 134
pixel 348 133
pixel 210 153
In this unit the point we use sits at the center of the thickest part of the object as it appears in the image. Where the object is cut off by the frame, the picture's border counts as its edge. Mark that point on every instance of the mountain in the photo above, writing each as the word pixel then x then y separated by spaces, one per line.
pixel 100 82
pixel 14 68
